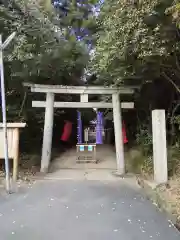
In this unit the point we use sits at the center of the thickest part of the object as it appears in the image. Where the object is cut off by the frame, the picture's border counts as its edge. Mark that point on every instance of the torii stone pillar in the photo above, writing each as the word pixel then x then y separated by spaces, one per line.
pixel 118 134
pixel 48 131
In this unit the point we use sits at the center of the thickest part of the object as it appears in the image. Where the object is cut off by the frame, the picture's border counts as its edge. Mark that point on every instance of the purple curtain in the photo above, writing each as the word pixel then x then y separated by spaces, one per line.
pixel 79 127
pixel 99 139
pixel 102 125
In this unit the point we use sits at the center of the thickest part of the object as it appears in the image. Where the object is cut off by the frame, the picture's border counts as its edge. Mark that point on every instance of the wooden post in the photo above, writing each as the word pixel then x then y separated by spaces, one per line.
pixel 118 134
pixel 159 146
pixel 48 130
pixel 16 153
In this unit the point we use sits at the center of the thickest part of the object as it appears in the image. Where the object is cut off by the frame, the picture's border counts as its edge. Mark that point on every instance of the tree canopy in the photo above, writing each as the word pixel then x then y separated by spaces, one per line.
pixel 79 17
pixel 139 45
pixel 137 40
pixel 43 51
pixel 40 51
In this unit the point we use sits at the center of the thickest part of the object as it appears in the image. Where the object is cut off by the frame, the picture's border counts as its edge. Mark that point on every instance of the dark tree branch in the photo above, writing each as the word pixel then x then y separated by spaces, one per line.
pixel 171 81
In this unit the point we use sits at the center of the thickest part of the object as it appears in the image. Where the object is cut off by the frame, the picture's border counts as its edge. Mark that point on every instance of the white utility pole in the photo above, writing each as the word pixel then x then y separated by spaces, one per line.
pixel 3 104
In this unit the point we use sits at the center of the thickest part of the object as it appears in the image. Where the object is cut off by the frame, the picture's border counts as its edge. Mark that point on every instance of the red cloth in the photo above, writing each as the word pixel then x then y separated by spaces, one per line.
pixel 125 140
pixel 66 131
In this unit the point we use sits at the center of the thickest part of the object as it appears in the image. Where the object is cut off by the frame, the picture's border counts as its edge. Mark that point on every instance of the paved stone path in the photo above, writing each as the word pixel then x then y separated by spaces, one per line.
pixel 82 210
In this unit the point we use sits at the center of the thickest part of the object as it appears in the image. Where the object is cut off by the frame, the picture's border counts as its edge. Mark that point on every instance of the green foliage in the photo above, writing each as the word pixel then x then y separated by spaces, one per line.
pixel 173 160
pixel 176 120
pixel 139 45
pixel 40 53
pixel 137 41
pixel 144 139
pixel 78 19
pixel 138 163
pixel 174 10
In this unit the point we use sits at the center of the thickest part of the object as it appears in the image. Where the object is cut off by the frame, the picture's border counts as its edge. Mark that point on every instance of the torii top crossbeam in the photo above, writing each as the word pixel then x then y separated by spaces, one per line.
pixel 78 89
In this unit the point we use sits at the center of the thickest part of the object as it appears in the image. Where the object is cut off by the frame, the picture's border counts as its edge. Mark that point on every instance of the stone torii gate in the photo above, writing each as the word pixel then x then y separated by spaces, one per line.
pixel 83 91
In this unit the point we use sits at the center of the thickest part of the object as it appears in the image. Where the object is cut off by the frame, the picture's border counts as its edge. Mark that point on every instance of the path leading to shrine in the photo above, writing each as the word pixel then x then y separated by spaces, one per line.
pixel 82 210
pixel 106 157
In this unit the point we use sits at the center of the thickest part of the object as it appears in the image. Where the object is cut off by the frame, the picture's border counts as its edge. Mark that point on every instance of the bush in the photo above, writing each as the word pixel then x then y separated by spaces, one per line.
pixel 138 163
pixel 174 160
pixel 144 141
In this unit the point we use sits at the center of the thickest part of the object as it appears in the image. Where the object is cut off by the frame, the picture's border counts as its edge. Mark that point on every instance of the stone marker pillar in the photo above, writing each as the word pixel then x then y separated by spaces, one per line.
pixel 159 146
